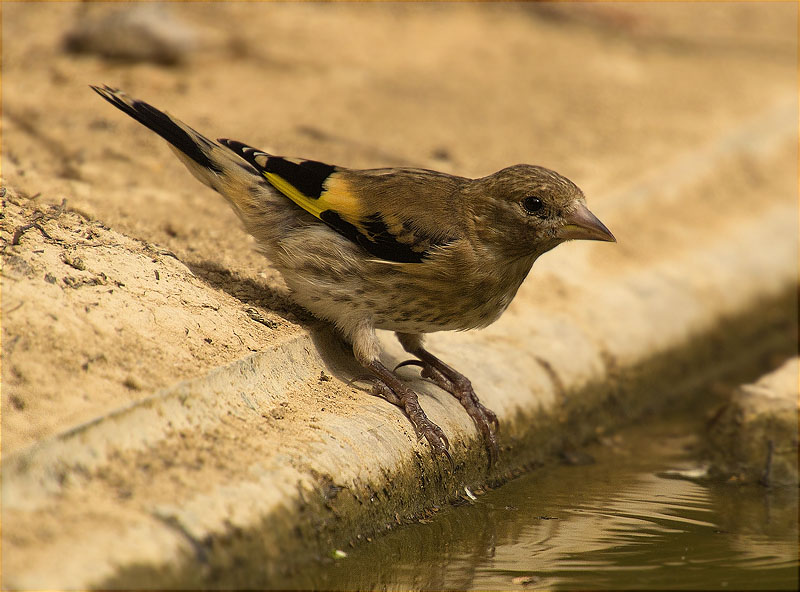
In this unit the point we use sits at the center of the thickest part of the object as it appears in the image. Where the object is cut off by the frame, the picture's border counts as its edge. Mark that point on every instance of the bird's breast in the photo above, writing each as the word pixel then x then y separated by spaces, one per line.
pixel 472 301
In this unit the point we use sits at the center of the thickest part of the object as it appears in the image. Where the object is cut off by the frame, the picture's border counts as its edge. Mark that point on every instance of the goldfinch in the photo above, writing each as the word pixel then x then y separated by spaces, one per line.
pixel 409 250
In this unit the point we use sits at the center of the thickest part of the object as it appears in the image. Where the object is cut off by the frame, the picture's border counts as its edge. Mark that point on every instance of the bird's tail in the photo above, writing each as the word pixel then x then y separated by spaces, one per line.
pixel 212 164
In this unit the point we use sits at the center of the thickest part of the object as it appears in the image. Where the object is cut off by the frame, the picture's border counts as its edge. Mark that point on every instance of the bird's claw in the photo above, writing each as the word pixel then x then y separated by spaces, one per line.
pixel 436 439
pixel 450 460
pixel 485 419
pixel 423 427
pixel 411 362
pixel 379 389
pixel 490 416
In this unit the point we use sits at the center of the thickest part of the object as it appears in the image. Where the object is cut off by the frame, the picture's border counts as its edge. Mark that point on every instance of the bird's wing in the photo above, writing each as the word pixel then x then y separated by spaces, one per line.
pixel 366 207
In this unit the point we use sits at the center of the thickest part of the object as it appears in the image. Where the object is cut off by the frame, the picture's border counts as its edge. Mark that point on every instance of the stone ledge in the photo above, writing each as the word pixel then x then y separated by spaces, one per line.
pixel 754 439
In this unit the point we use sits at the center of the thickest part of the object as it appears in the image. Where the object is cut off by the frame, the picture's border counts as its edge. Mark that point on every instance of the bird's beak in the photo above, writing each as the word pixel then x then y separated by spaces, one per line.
pixel 582 224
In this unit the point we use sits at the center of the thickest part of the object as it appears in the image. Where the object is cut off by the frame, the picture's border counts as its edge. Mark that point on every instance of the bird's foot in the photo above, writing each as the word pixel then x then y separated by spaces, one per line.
pixel 460 387
pixel 407 400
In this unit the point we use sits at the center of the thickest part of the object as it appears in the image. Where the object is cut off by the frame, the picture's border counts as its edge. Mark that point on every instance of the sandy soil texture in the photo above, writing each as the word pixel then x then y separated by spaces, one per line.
pixel 145 277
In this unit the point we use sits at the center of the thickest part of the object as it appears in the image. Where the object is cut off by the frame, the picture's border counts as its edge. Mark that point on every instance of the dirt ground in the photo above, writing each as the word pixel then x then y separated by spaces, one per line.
pixel 144 277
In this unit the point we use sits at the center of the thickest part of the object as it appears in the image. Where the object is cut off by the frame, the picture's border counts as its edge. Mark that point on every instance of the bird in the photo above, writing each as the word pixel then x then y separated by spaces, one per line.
pixel 409 250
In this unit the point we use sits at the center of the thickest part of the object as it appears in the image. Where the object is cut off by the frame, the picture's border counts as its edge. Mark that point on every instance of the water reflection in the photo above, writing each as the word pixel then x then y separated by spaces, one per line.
pixel 622 522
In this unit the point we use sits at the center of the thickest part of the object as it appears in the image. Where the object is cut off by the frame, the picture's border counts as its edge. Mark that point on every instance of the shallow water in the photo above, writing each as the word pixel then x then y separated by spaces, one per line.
pixel 630 519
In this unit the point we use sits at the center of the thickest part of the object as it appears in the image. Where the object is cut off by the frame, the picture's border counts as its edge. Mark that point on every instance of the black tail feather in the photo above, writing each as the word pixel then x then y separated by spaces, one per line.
pixel 161 124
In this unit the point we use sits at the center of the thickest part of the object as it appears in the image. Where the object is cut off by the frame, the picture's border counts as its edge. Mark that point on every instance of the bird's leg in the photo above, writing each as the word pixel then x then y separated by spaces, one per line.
pixel 455 383
pixel 391 388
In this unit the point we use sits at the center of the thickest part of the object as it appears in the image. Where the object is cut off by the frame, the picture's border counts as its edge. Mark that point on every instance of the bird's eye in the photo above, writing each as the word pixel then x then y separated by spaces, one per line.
pixel 532 204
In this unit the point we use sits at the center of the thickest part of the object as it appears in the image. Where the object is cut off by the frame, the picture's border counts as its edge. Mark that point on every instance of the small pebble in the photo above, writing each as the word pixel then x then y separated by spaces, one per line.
pixel 132 383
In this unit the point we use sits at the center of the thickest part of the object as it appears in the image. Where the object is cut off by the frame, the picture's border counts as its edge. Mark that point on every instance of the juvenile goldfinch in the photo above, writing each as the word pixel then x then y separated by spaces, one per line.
pixel 409 250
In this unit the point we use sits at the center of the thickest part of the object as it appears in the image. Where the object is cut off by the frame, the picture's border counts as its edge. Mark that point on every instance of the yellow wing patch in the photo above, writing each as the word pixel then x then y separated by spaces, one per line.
pixel 336 195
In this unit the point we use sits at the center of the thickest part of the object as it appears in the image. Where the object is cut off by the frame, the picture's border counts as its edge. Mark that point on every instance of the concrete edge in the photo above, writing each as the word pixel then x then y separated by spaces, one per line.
pixel 190 404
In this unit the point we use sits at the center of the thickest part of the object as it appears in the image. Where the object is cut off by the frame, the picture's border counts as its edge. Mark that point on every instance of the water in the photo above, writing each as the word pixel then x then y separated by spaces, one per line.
pixel 634 518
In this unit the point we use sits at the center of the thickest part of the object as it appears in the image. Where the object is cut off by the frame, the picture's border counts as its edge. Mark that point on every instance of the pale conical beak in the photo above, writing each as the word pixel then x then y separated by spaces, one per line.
pixel 582 224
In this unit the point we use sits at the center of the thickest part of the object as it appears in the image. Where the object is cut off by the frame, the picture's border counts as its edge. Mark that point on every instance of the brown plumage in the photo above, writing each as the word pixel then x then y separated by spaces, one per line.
pixel 408 250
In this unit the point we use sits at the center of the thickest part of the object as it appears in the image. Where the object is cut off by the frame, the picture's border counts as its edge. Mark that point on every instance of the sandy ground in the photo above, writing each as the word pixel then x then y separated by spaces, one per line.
pixel 146 277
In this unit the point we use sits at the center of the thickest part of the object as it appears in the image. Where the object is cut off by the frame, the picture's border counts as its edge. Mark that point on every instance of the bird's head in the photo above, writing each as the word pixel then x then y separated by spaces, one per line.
pixel 527 210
